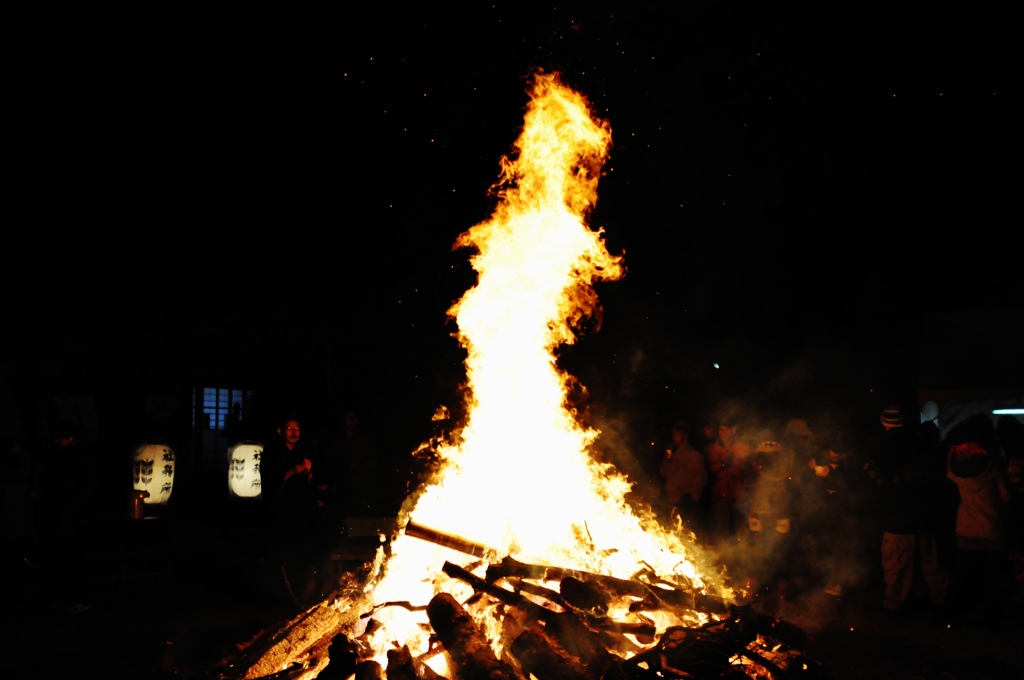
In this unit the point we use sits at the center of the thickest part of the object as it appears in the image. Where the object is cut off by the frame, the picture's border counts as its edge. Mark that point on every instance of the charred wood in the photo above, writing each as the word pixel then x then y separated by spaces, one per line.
pixel 369 670
pixel 513 567
pixel 344 655
pixel 707 651
pixel 739 629
pixel 586 645
pixel 583 595
pixel 643 632
pixel 537 612
pixel 651 576
pixel 576 638
pixel 400 665
pixel 770 665
pixel 684 650
pixel 510 567
pixel 542 656
pixel 303 639
pixel 744 625
pixel 404 604
pixel 531 609
pixel 464 641
pixel 619 643
pixel 701 658
pixel 710 604
pixel 661 596
pixel 292 672
pixel 701 602
pixel 539 591
pixel 785 632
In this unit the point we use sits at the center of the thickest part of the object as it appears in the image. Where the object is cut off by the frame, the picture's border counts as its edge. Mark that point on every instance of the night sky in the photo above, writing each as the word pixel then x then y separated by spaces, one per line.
pixel 270 201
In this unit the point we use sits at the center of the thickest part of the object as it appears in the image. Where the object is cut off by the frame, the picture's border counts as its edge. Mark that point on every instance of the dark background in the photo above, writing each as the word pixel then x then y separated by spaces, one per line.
pixel 267 202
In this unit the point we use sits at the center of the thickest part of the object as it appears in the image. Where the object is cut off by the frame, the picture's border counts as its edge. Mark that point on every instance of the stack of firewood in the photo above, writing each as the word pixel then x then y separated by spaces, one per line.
pixel 568 633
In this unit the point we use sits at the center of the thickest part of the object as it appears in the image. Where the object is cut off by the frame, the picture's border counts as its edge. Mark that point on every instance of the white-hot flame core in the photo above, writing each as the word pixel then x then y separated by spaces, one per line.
pixel 520 478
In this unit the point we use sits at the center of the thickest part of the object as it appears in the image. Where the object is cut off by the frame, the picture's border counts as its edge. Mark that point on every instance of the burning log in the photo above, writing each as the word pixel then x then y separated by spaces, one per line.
pixel 447 540
pixel 531 609
pixel 586 645
pixel 571 644
pixel 369 670
pixel 400 665
pixel 580 582
pixel 783 631
pixel 344 656
pixel 583 595
pixel 711 650
pixel 540 591
pixel 464 641
pixel 535 611
pixel 303 640
pixel 510 567
pixel 542 656
pixel 513 567
pixel 571 638
pixel 686 650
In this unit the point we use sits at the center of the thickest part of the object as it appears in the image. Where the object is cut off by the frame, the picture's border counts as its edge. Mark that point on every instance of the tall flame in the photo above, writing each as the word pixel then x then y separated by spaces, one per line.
pixel 519 478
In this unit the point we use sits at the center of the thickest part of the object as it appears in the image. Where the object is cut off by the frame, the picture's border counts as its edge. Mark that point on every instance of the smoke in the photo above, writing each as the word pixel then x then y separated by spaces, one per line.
pixel 831 539
pixel 802 524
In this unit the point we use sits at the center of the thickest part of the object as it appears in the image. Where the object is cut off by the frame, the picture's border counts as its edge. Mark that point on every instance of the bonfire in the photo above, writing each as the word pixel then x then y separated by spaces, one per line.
pixel 520 557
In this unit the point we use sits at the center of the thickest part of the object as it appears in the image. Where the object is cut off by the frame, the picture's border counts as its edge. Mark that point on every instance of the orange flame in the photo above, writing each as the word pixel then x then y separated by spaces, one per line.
pixel 519 478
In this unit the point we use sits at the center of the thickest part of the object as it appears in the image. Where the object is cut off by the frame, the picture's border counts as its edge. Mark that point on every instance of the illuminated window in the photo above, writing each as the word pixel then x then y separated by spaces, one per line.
pixel 216 408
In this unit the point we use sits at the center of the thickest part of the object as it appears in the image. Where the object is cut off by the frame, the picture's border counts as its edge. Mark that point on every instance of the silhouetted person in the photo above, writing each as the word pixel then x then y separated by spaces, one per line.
pixel 288 487
pixel 685 475
pixel 723 483
pixel 831 518
pixel 906 483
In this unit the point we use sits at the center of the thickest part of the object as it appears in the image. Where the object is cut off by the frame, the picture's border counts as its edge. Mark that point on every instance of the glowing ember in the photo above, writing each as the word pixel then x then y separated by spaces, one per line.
pixel 519 478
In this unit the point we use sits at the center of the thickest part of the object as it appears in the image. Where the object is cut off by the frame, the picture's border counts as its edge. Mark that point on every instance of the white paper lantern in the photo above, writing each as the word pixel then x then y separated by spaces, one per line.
pixel 153 470
pixel 244 478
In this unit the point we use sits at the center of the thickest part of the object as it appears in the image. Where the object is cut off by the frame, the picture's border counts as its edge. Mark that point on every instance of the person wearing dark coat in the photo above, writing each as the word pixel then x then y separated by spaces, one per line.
pixel 906 484
pixel 295 533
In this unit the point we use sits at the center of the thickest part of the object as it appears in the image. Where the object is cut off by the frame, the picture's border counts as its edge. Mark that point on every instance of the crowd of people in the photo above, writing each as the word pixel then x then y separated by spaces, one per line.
pixel 937 521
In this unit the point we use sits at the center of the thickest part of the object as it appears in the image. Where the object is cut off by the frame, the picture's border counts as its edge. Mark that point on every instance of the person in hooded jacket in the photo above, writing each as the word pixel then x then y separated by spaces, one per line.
pixel 981 577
